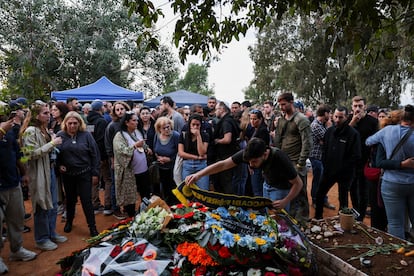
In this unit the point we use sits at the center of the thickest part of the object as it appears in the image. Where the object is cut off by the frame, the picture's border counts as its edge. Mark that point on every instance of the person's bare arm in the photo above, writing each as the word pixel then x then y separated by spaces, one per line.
pixel 212 169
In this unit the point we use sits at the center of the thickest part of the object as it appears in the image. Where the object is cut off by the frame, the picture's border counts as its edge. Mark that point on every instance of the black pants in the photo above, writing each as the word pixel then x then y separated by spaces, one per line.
pixel 167 185
pixel 79 185
pixel 324 187
pixel 359 193
pixel 378 215
pixel 144 187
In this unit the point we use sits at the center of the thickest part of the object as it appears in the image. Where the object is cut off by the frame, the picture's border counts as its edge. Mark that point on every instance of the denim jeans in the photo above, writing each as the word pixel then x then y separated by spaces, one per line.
pixel 240 174
pixel 317 172
pixel 273 193
pixel 398 198
pixel 257 182
pixel 193 166
pixel 45 220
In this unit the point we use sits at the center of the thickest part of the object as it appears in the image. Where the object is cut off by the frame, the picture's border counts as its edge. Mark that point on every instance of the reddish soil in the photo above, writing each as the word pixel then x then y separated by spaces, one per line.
pixel 384 262
pixel 45 263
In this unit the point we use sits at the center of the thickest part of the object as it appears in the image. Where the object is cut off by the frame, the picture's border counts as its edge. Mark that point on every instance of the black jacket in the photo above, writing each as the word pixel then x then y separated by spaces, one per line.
pixel 96 126
pixel 341 151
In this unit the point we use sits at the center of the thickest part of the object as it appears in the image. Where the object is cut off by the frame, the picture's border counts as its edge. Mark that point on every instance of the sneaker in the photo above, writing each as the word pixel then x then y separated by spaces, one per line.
pixel 98 209
pixel 22 255
pixel 119 215
pixel 46 246
pixel 3 267
pixel 26 229
pixel 60 209
pixel 329 206
pixel 64 214
pixel 59 238
pixel 108 211
pixel 27 217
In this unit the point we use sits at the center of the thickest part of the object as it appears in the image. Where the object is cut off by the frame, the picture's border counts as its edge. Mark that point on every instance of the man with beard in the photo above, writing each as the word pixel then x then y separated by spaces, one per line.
pixel 225 136
pixel 118 110
pixel 294 137
pixel 341 151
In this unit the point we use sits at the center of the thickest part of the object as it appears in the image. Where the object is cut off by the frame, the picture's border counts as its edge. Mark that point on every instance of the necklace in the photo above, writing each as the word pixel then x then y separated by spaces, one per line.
pixel 73 139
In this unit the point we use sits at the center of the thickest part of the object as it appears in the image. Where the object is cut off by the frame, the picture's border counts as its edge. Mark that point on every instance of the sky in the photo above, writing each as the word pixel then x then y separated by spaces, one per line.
pixel 229 75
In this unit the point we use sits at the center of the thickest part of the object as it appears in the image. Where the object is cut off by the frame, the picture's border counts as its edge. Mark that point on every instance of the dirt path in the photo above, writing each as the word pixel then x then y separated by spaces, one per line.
pixel 45 263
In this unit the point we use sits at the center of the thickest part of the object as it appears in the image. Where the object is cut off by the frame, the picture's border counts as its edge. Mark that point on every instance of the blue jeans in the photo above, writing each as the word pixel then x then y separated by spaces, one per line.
pixel 193 166
pixel 240 174
pixel 398 198
pixel 45 220
pixel 257 182
pixel 273 194
pixel 317 172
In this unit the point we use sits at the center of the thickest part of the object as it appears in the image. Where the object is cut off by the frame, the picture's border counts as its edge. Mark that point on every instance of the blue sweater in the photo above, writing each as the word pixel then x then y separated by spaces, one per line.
pixel 389 137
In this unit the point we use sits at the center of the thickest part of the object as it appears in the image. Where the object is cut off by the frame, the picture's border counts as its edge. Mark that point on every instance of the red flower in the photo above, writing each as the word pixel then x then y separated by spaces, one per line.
pixel 295 271
pixel 215 247
pixel 140 248
pixel 243 261
pixel 200 271
pixel 224 252
pixel 115 252
pixel 269 273
pixel 175 271
pixel 267 256
pixel 189 215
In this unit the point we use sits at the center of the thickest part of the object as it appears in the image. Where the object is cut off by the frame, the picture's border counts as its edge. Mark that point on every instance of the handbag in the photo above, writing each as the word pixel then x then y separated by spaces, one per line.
pixel 371 173
pixel 178 169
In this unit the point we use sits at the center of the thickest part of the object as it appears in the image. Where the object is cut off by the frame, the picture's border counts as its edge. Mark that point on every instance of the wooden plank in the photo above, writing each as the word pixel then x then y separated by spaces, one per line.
pixel 329 264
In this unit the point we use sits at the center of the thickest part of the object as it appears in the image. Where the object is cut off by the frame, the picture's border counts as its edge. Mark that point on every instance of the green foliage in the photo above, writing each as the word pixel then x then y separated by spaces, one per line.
pixel 204 26
pixel 195 80
pixel 51 45
pixel 293 54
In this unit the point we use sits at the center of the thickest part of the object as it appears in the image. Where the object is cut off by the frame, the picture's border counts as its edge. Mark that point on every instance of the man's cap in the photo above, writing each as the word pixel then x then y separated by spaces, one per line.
pixel 97 105
pixel 372 108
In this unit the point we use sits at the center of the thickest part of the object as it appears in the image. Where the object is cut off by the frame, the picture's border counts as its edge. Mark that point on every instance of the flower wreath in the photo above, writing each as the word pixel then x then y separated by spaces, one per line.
pixel 241 236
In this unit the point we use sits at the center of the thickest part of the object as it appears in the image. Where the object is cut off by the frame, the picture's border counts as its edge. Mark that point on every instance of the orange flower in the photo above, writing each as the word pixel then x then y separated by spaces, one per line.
pixel 196 254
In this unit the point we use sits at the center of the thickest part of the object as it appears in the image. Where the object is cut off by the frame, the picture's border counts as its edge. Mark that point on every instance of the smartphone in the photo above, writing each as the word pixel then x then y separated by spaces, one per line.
pixel 12 115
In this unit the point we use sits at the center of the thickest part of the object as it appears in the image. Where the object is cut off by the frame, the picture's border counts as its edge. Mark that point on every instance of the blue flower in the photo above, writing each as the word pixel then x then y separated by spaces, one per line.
pixel 222 212
pixel 227 239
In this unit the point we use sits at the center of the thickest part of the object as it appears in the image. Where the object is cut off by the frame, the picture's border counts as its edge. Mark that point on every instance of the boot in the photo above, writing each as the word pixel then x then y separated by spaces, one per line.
pixel 68 226
pixel 93 231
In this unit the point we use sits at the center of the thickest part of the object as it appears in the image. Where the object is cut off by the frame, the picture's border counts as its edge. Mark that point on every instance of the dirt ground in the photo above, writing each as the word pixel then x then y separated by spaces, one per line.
pixel 45 263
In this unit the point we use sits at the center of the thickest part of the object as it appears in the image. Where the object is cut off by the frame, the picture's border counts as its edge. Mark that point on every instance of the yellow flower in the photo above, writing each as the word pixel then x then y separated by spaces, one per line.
pixel 123 226
pixel 216 217
pixel 266 222
pixel 260 241
pixel 236 237
pixel 214 226
pixel 252 216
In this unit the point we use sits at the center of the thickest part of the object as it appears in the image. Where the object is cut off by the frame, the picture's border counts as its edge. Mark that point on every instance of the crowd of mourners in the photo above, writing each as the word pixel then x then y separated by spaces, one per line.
pixel 57 152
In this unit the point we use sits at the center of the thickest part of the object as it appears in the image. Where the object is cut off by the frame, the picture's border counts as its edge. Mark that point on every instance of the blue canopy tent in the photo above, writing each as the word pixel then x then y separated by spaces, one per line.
pixel 103 89
pixel 181 98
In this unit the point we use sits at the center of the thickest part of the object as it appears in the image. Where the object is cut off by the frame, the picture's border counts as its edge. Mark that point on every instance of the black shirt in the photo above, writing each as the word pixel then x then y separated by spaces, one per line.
pixel 277 169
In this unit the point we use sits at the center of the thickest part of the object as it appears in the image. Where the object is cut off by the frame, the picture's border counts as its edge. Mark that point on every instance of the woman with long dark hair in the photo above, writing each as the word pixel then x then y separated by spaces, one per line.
pixel 260 131
pixel 192 147
pixel 130 164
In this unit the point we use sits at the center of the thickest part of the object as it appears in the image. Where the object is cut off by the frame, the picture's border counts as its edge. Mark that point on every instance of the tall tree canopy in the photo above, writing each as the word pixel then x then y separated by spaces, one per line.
pixel 293 54
pixel 50 45
pixel 204 26
pixel 194 80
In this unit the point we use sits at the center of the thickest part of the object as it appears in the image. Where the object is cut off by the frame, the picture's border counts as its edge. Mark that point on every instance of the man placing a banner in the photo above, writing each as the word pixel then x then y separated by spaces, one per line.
pixel 282 181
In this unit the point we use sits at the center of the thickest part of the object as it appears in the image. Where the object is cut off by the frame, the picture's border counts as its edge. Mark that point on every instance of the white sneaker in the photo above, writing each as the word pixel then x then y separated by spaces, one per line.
pixel 3 267
pixel 47 245
pixel 22 255
pixel 59 238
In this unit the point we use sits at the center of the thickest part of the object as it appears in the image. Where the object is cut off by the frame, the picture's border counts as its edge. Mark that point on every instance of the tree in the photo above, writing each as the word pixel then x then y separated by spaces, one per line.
pixel 293 54
pixel 196 80
pixel 204 26
pixel 55 45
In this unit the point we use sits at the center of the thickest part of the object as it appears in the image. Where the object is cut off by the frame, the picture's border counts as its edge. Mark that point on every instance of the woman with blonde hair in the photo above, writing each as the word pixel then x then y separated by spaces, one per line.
pixel 165 149
pixel 78 163
pixel 40 144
